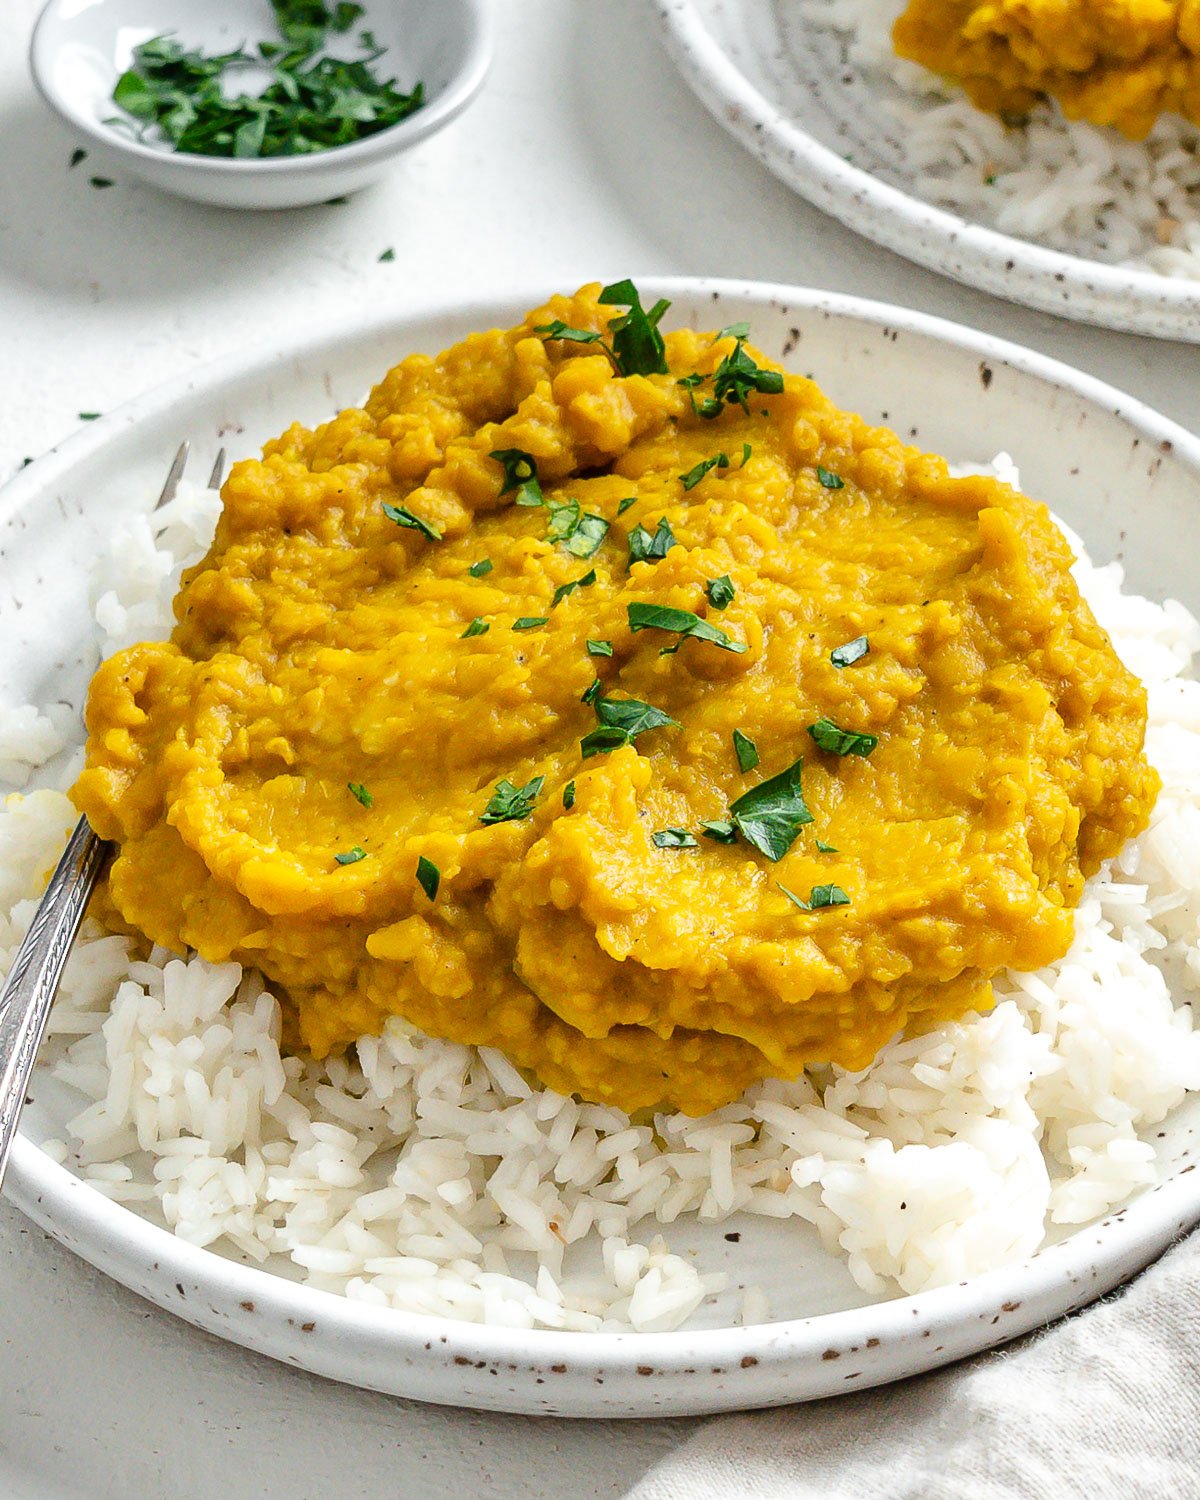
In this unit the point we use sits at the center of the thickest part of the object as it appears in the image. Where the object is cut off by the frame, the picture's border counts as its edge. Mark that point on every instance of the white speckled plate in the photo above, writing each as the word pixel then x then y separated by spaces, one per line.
pixel 1096 455
pixel 782 88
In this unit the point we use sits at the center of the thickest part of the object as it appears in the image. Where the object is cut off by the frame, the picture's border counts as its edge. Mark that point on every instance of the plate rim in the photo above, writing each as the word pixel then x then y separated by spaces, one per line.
pixel 1127 299
pixel 1021 1296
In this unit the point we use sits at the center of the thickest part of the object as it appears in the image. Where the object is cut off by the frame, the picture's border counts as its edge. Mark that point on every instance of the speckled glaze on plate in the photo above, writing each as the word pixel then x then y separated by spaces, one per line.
pixel 782 88
pixel 1097 456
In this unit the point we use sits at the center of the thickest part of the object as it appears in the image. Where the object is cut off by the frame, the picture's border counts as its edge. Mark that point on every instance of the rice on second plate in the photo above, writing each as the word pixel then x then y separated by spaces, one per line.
pixel 427 1176
pixel 1066 184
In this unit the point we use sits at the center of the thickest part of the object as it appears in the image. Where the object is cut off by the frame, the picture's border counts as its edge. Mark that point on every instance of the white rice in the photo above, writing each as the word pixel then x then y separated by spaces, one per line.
pixel 1074 187
pixel 422 1175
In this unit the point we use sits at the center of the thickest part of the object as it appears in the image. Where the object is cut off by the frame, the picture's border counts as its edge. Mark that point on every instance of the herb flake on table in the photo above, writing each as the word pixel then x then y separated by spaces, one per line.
pixel 360 793
pixel 681 622
pixel 312 100
pixel 837 741
pixel 429 877
pixel 386 256
pixel 770 815
pixel 89 416
pixel 673 838
pixel 746 751
pixel 101 182
pixel 509 803
pixel 78 155
pixel 852 651
pixel 402 516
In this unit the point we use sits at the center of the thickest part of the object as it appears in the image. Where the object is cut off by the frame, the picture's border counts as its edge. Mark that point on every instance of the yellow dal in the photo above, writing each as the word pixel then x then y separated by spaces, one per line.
pixel 1111 62
pixel 320 644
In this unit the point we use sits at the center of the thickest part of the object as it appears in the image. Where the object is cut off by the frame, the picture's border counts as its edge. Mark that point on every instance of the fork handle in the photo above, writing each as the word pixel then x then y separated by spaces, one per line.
pixel 33 980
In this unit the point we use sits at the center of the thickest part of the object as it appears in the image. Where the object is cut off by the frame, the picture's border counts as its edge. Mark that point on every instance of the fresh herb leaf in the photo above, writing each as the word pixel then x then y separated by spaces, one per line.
pixel 360 793
pixel 557 329
pixel 825 848
pixel 793 898
pixel 478 626
pixel 101 182
pixel 568 797
pixel 592 691
pixel 351 856
pixel 720 591
pixel 599 648
pixel 681 622
pixel 587 535
pixel 563 519
pixel 746 751
pixel 623 505
pixel 621 721
pixel 481 568
pixel 739 374
pixel 531 622
pixel 830 480
pixel 828 895
pixel 404 517
pixel 520 474
pixel 673 838
pixel 637 345
pixel 78 155
pixel 387 255
pixel 737 331
pixel 89 416
pixel 564 589
pixel 771 814
pixel 429 877
pixel 836 741
pixel 706 465
pixel 646 548
pixel 852 651
pixel 509 803
pixel 719 831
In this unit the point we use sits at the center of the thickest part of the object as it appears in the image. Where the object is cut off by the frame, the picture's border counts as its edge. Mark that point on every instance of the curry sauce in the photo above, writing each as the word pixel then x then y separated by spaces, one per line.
pixel 389 757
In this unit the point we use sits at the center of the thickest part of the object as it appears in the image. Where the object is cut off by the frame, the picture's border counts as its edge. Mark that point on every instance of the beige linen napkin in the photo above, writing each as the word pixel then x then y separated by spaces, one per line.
pixel 1103 1406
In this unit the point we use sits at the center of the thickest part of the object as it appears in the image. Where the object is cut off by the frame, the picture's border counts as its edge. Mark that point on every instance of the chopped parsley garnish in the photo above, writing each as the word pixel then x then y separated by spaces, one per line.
pixel 404 517
pixel 621 721
pixel 360 793
pixel 520 474
pixel 478 626
pixel 579 531
pixel 839 741
pixel 312 101
pixel 732 331
pixel 592 691
pixel 563 519
pixel 78 155
pixel 708 406
pixel 821 896
pixel 825 848
pixel 89 416
pixel 706 465
pixel 637 345
pixel 720 831
pixel 852 651
pixel 738 375
pixel 599 648
pixel 509 803
pixel 673 838
pixel 565 589
pixel 387 255
pixel 623 505
pixel 568 798
pixel 746 751
pixel 351 856
pixel 646 548
pixel 720 591
pixel 829 480
pixel 586 536
pixel 557 329
pixel 771 814
pixel 429 877
pixel 480 569
pixel 531 622
pixel 681 622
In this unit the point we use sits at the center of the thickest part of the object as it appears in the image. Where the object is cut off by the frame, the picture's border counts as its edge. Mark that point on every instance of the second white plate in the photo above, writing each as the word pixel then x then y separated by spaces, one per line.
pixel 783 89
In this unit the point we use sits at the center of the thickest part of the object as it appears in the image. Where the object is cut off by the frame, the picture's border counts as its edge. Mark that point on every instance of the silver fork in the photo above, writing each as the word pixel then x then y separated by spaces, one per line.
pixel 37 970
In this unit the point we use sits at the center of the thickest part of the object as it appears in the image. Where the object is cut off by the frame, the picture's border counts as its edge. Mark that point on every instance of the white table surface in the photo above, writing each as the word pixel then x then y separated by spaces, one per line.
pixel 584 158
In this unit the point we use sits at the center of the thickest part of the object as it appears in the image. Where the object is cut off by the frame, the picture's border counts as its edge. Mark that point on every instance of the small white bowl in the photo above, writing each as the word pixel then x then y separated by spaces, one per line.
pixel 81 47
